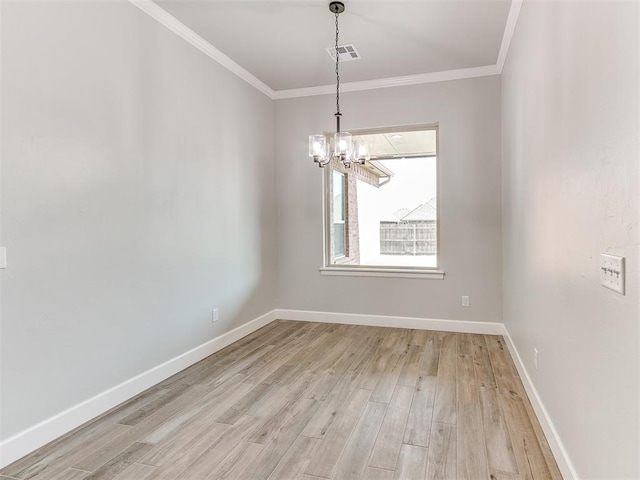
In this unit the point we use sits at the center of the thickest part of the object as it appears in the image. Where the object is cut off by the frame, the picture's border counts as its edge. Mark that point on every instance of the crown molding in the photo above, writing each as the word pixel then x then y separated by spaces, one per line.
pixel 509 29
pixel 418 79
pixel 176 26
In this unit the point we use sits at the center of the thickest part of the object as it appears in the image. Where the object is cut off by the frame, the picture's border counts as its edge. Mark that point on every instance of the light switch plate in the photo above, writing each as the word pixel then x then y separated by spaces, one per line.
pixel 612 272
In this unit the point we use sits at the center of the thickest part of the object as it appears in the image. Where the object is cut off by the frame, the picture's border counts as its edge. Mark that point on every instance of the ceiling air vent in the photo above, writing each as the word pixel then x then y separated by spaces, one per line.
pixel 347 53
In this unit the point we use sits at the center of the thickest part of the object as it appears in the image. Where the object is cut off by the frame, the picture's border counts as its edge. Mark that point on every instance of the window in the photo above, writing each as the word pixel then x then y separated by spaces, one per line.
pixel 338 199
pixel 383 215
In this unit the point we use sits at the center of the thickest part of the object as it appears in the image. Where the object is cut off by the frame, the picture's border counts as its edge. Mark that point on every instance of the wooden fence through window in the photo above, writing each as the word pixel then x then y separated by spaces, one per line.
pixel 408 238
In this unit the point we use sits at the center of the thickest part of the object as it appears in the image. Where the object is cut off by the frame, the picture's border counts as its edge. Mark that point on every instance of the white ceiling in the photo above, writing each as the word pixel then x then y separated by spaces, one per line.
pixel 282 42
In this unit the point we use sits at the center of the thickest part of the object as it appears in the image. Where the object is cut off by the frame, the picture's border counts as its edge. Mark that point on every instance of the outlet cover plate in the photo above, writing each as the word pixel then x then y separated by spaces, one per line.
pixel 612 272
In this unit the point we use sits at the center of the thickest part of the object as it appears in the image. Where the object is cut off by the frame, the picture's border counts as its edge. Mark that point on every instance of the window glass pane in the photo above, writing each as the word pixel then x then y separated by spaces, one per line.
pixel 392 218
pixel 398 221
pixel 338 207
pixel 339 246
pixel 338 196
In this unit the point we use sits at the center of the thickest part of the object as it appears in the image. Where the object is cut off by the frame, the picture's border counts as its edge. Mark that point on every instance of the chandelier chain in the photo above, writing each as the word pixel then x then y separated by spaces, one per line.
pixel 337 69
pixel 342 148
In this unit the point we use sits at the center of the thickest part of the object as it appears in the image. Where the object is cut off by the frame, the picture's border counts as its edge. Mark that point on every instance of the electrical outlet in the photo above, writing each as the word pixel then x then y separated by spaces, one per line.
pixel 535 358
pixel 214 315
pixel 465 300
pixel 612 272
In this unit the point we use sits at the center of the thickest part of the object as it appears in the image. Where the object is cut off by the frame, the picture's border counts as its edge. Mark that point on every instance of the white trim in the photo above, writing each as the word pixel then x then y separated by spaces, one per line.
pixel 382 272
pixel 464 326
pixel 557 447
pixel 487 328
pixel 176 26
pixel 509 29
pixel 34 437
pixel 418 79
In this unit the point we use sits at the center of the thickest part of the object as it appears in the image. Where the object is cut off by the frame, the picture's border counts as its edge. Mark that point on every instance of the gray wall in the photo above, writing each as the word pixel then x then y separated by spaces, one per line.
pixel 137 194
pixel 570 180
pixel 468 112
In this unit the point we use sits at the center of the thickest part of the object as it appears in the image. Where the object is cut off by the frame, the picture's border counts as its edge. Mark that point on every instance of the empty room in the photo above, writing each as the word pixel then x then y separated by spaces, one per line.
pixel 319 240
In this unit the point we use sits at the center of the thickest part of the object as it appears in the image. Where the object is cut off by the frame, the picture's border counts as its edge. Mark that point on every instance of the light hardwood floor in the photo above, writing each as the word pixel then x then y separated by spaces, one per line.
pixel 299 400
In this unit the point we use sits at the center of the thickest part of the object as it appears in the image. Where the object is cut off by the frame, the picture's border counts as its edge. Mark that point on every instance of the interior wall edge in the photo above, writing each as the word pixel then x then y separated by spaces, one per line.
pixel 44 432
pixel 166 19
pixel 555 443
pixel 39 435
pixel 443 325
pixel 173 24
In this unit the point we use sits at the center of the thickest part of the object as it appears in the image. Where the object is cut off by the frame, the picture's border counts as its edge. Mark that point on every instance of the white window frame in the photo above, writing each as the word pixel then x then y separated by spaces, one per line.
pixel 329 268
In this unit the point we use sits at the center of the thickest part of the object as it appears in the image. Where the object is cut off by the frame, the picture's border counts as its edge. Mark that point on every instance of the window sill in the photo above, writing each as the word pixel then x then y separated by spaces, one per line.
pixel 382 272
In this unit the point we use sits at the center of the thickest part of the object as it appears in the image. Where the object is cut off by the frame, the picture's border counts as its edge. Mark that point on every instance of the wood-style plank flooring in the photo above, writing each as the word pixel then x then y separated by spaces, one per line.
pixel 309 401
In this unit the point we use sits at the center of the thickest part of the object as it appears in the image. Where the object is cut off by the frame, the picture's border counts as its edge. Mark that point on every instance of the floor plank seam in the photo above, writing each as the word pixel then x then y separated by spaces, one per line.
pixel 297 386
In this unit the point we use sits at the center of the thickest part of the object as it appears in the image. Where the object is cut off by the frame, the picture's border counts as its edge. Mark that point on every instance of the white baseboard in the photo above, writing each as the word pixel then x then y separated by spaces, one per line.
pixel 486 328
pixel 35 437
pixel 557 447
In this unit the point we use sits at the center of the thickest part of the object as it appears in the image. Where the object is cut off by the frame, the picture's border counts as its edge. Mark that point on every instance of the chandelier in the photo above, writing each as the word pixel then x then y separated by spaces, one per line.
pixel 345 150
